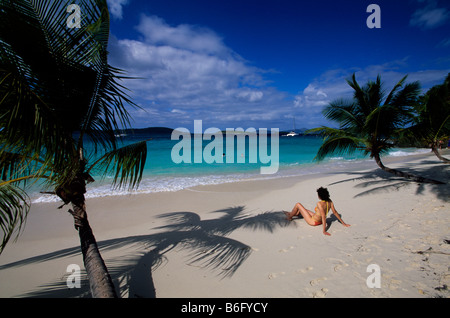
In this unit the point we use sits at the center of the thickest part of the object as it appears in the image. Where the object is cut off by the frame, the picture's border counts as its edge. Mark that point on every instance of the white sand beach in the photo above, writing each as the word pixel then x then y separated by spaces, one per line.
pixel 232 240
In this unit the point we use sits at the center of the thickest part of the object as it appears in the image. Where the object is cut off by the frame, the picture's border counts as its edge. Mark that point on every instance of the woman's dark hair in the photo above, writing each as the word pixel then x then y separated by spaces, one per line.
pixel 323 194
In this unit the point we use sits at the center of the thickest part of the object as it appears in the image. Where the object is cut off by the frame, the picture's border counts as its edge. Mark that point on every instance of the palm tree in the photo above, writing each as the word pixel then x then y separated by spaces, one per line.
pixel 57 91
pixel 433 120
pixel 369 121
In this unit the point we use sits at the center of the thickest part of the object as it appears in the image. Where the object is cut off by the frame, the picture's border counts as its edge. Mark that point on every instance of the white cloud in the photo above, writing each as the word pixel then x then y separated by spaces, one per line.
pixel 430 16
pixel 115 7
pixel 444 43
pixel 187 37
pixel 188 70
pixel 178 111
pixel 251 96
pixel 311 97
pixel 333 85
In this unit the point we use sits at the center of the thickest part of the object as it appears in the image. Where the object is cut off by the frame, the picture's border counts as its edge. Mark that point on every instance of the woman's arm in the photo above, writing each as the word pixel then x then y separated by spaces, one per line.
pixel 323 213
pixel 337 215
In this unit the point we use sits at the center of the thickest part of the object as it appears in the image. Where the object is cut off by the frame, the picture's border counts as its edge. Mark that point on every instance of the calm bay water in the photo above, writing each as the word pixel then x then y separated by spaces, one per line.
pixel 296 158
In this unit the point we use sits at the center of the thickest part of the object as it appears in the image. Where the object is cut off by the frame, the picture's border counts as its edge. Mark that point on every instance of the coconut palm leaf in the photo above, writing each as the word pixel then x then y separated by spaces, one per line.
pixel 360 96
pixel 374 93
pixel 15 165
pixel 406 97
pixel 14 208
pixel 431 123
pixel 61 85
pixel 31 91
pixel 29 127
pixel 395 89
pixel 370 122
pixel 343 111
pixel 57 91
pixel 127 164
pixel 444 128
pixel 336 141
pixel 67 69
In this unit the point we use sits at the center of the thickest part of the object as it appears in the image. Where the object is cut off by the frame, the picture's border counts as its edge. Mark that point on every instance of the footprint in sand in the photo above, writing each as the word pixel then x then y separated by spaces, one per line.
pixel 339 267
pixel 284 250
pixel 371 249
pixel 338 263
pixel 321 293
pixel 315 282
pixel 275 275
pixel 394 284
pixel 304 270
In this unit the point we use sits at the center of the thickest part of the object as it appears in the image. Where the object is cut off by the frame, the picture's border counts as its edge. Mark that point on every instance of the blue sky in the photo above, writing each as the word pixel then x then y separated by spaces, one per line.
pixel 259 63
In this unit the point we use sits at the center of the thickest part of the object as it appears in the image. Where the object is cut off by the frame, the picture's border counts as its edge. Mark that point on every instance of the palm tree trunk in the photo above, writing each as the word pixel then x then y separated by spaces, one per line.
pixel 403 174
pixel 436 152
pixel 100 282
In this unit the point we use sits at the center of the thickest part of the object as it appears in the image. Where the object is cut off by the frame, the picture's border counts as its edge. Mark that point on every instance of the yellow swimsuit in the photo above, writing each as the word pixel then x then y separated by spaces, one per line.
pixel 326 212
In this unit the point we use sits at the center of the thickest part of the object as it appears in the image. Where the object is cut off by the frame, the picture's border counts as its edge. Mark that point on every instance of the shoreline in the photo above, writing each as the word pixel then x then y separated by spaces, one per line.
pixel 231 239
pixel 173 183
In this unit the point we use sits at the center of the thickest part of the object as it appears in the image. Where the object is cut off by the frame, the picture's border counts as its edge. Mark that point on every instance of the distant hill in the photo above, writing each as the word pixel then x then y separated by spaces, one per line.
pixel 148 130
pixel 163 131
pixel 300 131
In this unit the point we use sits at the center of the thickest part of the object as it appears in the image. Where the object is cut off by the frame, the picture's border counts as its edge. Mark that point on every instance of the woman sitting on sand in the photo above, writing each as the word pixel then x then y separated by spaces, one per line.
pixel 322 208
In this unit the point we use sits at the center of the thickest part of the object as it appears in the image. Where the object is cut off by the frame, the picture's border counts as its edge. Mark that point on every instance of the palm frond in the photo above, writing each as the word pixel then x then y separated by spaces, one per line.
pixel 56 88
pixel 15 165
pixel 14 208
pixel 29 94
pixel 109 113
pixel 395 89
pixel 435 109
pixel 444 129
pixel 31 144
pixel 127 163
pixel 359 96
pixel 336 141
pixel 406 97
pixel 340 145
pixel 375 93
pixel 343 112
pixel 65 68
pixel 376 124
pixel 384 120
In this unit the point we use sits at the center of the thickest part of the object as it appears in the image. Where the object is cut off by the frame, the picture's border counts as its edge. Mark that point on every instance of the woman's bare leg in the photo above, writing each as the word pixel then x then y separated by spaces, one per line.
pixel 295 211
pixel 300 209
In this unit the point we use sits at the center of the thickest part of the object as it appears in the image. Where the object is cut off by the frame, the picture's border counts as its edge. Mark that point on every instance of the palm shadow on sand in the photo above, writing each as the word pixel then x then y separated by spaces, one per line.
pixel 378 181
pixel 206 243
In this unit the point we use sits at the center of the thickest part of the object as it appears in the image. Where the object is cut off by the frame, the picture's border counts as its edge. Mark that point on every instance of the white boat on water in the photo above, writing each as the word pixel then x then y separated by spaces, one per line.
pixel 292 133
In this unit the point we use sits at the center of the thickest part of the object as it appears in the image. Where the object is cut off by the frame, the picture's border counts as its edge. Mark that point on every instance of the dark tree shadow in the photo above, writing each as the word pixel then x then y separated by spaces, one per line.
pixel 205 242
pixel 378 181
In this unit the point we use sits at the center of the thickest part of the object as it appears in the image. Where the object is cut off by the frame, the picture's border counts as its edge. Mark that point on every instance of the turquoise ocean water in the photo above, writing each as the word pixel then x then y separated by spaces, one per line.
pixel 296 158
